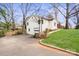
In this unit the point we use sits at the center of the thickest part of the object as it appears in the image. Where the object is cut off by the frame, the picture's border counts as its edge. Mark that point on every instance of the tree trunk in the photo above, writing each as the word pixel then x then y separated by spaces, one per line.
pixel 13 26
pixel 77 25
pixel 66 24
pixel 24 25
pixel 77 17
pixel 12 15
pixel 67 16
pixel 13 23
pixel 6 24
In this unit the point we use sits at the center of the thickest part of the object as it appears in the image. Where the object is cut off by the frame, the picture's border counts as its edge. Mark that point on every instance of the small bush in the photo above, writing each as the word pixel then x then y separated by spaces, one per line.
pixel 18 32
pixel 2 33
pixel 77 27
pixel 42 35
pixel 36 35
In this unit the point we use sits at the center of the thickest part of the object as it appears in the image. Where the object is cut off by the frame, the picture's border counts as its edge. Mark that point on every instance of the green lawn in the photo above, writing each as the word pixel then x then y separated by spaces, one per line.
pixel 67 39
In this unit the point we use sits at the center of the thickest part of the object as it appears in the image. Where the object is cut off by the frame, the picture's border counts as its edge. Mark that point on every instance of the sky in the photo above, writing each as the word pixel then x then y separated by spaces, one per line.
pixel 45 9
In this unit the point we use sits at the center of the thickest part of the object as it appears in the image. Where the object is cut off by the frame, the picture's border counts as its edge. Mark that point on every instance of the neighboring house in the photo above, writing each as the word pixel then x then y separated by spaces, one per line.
pixel 60 25
pixel 37 24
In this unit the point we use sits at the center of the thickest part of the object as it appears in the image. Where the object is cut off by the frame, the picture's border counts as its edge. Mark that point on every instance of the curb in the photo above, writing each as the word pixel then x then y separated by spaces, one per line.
pixel 55 47
pixel 54 31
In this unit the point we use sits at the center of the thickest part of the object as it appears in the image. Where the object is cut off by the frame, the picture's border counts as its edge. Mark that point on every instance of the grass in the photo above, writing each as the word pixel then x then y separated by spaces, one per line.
pixel 67 39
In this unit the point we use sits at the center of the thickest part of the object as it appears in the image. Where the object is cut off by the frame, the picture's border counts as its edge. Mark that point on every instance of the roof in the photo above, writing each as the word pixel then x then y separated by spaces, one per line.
pixel 48 19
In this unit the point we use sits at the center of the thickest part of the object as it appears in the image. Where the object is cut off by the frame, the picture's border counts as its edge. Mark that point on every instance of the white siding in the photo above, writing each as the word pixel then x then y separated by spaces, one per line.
pixel 54 24
pixel 44 25
pixel 33 24
pixel 49 24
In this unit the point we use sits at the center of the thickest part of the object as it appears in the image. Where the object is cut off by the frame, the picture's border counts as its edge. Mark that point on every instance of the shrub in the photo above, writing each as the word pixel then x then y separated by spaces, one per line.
pixel 18 32
pixel 77 27
pixel 2 33
pixel 36 35
pixel 40 35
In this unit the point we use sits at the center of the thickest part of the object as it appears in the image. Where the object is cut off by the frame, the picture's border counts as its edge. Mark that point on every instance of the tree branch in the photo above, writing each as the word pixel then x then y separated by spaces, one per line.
pixel 73 8
pixel 59 10
pixel 62 6
pixel 74 14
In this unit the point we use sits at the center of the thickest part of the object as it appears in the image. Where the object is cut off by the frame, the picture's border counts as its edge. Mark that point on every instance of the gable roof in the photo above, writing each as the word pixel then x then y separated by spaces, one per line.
pixel 36 16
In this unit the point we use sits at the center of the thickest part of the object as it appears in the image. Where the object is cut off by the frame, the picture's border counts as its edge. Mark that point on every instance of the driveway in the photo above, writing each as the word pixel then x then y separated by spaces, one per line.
pixel 25 45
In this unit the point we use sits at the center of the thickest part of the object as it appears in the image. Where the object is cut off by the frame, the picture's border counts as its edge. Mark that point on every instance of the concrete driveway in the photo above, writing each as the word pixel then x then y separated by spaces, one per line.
pixel 25 45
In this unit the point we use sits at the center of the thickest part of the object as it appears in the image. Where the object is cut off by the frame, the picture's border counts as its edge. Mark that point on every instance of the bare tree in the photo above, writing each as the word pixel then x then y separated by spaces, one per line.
pixel 4 13
pixel 77 18
pixel 25 9
pixel 69 12
pixel 9 15
pixel 56 14
pixel 12 13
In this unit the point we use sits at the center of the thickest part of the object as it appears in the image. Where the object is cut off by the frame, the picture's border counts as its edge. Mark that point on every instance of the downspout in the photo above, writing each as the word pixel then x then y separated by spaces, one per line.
pixel 40 25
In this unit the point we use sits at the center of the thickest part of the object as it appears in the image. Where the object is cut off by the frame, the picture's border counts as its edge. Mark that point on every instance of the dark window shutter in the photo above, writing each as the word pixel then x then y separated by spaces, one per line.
pixel 38 21
pixel 42 21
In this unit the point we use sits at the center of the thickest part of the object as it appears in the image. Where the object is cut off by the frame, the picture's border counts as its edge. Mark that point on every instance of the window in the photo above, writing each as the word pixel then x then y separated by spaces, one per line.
pixel 54 24
pixel 40 21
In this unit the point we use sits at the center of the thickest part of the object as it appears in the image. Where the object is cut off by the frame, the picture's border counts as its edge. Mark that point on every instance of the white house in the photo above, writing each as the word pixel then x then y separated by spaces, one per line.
pixel 36 24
